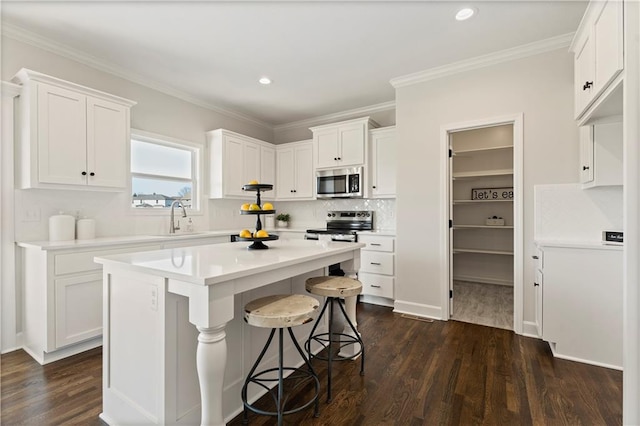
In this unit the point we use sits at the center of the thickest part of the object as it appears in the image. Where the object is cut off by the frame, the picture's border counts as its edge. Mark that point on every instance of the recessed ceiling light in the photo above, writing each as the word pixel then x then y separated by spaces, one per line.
pixel 265 80
pixel 465 13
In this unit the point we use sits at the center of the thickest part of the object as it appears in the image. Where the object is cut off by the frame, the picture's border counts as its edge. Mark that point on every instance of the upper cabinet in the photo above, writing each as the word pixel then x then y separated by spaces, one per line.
pixel 72 137
pixel 382 166
pixel 599 55
pixel 341 144
pixel 294 171
pixel 235 160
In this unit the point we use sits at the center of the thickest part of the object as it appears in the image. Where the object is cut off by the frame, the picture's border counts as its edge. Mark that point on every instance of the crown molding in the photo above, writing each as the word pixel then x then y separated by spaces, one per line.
pixel 526 50
pixel 22 35
pixel 10 89
pixel 338 116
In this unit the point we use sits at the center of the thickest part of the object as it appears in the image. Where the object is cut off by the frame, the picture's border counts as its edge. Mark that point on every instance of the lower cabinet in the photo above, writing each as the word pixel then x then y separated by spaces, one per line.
pixel 63 296
pixel 377 269
pixel 581 309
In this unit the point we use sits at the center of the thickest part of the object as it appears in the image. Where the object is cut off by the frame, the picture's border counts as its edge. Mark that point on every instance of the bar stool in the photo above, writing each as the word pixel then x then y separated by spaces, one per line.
pixel 334 288
pixel 279 312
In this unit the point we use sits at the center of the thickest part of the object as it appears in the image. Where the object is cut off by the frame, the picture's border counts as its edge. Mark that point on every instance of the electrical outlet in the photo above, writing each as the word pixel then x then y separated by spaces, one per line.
pixel 154 298
pixel 31 215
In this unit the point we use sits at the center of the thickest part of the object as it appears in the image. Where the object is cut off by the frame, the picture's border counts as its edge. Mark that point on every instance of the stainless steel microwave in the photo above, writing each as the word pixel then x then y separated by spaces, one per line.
pixel 339 183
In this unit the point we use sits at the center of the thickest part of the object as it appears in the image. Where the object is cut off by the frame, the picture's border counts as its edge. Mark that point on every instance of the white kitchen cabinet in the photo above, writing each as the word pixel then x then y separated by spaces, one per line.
pixel 342 144
pixel 582 303
pixel 382 166
pixel 73 137
pixel 598 48
pixel 63 295
pixel 601 155
pixel 294 162
pixel 377 269
pixel 267 164
pixel 234 161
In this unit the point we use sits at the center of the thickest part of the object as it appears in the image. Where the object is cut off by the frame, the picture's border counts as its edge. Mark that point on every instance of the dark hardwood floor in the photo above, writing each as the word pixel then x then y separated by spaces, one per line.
pixel 417 373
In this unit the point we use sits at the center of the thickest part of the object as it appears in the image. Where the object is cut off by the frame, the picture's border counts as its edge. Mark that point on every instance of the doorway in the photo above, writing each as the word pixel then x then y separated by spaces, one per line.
pixel 484 191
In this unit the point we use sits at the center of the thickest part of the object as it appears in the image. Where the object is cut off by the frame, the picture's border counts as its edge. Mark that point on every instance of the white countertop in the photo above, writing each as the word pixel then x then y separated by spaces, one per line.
pixel 130 239
pixel 382 232
pixel 215 263
pixel 597 245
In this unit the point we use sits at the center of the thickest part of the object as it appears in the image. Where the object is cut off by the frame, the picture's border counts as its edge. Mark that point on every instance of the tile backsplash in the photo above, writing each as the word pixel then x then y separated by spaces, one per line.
pixel 309 214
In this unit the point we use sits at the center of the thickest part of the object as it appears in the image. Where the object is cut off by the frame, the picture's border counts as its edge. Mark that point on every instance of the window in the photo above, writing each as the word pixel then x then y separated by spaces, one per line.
pixel 163 170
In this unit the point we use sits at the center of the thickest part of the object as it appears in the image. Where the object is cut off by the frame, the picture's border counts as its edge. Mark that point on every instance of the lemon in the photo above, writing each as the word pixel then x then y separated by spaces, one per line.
pixel 261 234
pixel 267 206
pixel 245 206
pixel 254 207
pixel 245 233
pixel 253 182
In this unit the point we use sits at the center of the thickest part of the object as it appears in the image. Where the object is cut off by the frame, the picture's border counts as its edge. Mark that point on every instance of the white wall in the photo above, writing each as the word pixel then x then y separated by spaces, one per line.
pixel 540 87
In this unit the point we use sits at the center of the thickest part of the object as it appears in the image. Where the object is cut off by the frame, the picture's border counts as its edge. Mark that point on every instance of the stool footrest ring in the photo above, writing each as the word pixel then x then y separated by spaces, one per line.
pixel 340 340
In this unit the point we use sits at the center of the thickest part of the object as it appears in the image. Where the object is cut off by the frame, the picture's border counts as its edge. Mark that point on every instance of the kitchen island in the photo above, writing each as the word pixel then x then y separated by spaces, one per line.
pixel 176 350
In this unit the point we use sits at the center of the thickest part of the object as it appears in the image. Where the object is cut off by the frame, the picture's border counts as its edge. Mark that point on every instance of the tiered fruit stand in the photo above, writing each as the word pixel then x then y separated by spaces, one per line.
pixel 258 242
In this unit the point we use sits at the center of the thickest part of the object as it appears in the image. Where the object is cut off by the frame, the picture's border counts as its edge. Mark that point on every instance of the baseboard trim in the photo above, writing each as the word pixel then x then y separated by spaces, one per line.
pixel 418 309
pixel 530 329
pixel 44 358
pixel 376 300
pixel 556 354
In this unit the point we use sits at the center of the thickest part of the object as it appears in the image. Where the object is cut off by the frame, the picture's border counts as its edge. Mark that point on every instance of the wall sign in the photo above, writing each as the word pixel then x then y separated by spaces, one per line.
pixel 489 194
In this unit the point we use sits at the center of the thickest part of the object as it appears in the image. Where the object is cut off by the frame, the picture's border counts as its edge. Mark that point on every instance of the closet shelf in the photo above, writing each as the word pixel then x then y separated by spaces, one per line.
pixel 482 173
pixel 492 148
pixel 481 201
pixel 482 251
pixel 483 226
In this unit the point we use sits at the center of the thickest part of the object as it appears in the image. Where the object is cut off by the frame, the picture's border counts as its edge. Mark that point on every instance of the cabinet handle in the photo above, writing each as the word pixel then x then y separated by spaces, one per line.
pixel 587 85
pixel 84 173
pixel 375 244
pixel 374 187
pixel 375 263
pixel 536 284
pixel 535 257
pixel 375 286
pixel 585 167
pixel 92 174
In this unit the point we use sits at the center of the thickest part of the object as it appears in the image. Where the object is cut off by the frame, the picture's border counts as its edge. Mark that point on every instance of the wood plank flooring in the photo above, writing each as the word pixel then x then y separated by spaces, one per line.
pixel 416 373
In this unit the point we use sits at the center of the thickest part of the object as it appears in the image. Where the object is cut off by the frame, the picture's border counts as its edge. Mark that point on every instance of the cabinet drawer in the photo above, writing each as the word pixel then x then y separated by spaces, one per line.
pixel 70 263
pixel 375 243
pixel 376 285
pixel 376 262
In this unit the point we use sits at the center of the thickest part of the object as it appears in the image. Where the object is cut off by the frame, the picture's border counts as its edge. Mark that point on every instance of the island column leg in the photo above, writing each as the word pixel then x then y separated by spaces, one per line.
pixel 211 361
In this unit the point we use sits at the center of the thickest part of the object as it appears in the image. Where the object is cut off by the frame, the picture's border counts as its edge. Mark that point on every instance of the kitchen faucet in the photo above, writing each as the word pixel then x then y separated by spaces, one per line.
pixel 172 225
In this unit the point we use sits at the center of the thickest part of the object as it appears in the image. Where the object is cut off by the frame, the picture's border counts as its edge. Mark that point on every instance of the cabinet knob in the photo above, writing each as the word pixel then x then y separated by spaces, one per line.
pixel 587 85
pixel 92 174
pixel 295 190
pixel 535 257
pixel 291 190
pixel 374 187
pixel 84 173
pixel 585 167
pixel 536 284
pixel 335 158
pixel 339 158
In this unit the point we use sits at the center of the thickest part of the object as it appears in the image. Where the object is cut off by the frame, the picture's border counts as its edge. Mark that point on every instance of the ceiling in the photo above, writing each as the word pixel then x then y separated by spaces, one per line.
pixel 323 57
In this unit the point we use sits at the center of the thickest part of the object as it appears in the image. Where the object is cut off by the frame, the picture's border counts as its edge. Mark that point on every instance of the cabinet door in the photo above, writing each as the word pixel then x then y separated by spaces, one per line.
pixel 233 167
pixel 62 138
pixel 251 162
pixel 267 165
pixel 383 167
pixel 586 154
pixel 608 44
pixel 584 76
pixel 303 178
pixel 326 143
pixel 107 143
pixel 78 309
pixel 352 144
pixel 285 181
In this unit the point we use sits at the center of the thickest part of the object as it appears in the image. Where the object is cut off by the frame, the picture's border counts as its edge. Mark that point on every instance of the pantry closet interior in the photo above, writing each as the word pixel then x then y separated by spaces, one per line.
pixel 481 194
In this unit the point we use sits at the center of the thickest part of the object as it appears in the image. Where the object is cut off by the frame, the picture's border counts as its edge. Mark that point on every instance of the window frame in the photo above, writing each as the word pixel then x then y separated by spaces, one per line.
pixel 196 208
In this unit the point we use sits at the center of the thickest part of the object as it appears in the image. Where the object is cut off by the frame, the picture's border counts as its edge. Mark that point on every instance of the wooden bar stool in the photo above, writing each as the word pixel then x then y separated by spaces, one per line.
pixel 279 312
pixel 334 288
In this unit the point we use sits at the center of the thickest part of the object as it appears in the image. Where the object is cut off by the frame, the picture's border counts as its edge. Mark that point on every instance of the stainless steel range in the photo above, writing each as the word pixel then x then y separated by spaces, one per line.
pixel 343 225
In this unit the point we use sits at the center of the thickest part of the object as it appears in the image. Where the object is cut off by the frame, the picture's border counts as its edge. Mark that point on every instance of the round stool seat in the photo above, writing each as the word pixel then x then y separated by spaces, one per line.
pixel 333 286
pixel 280 310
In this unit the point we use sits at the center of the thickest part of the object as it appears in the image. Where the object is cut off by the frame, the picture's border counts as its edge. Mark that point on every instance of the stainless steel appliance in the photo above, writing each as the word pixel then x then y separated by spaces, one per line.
pixel 342 226
pixel 340 183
